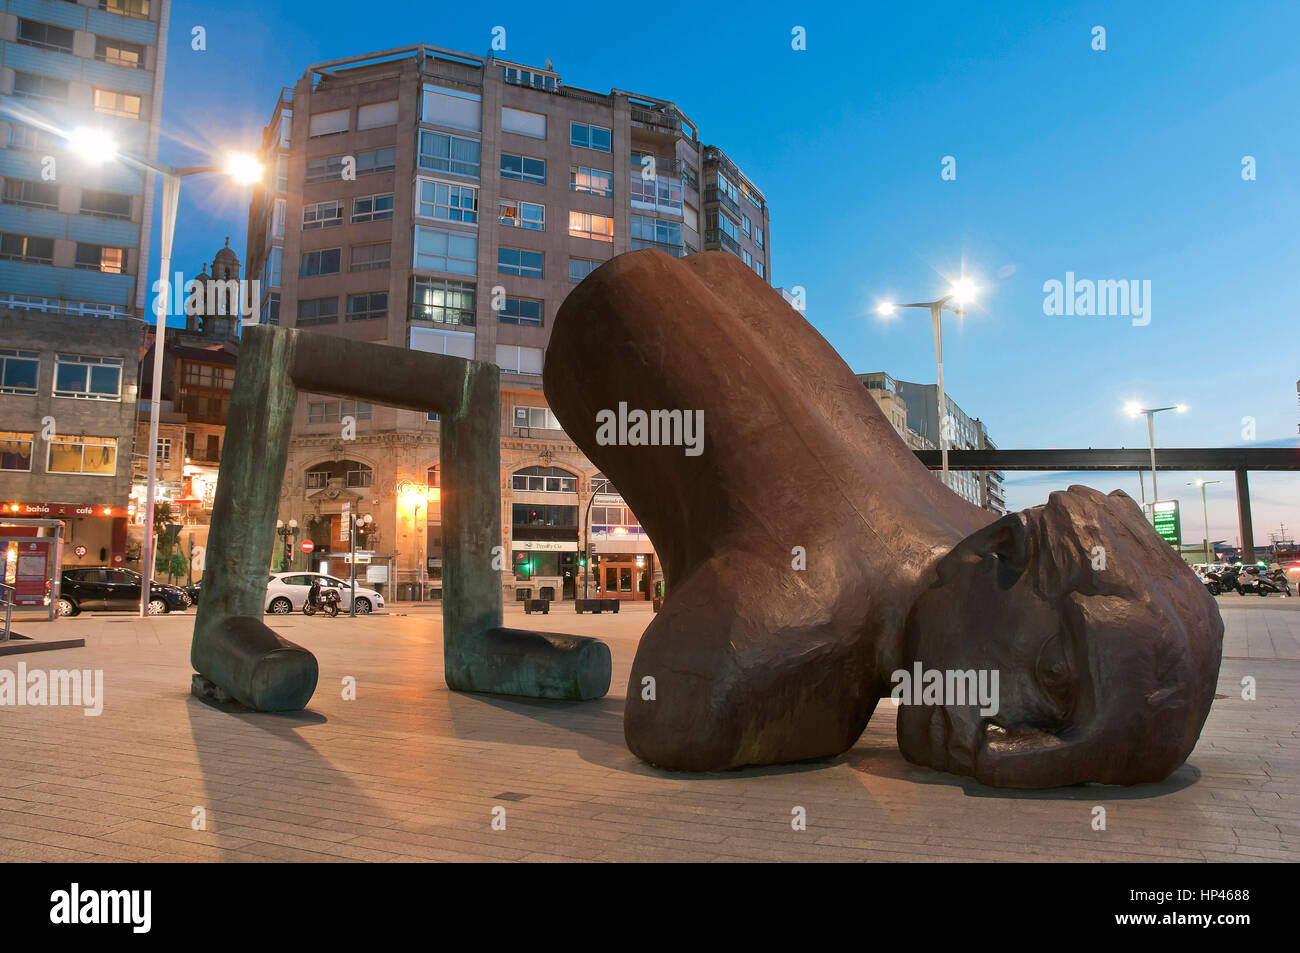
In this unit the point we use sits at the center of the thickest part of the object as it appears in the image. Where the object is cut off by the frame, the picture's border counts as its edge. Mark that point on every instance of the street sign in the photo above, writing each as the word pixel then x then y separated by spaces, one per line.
pixel 1165 519
pixel 308 545
pixel 360 558
pixel 80 551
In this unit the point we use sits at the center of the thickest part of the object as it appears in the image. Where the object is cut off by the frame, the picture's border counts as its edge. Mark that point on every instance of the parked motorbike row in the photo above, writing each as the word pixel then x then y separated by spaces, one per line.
pixel 1246 580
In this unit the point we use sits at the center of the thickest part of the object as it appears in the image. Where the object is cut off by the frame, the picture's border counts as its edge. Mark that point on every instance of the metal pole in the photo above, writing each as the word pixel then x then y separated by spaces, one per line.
pixel 936 318
pixel 1142 486
pixel 1151 434
pixel 352 560
pixel 171 197
pixel 1205 514
pixel 586 545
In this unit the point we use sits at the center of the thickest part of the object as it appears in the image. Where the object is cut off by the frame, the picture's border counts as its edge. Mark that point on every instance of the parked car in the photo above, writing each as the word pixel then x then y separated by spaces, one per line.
pixel 192 592
pixel 287 592
pixel 101 589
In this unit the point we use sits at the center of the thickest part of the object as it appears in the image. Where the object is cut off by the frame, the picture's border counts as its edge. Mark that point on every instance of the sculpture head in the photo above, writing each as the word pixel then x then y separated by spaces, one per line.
pixel 1106 646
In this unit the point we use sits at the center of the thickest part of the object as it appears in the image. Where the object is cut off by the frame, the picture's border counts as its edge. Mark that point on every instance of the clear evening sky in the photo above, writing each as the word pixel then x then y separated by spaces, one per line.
pixel 1123 165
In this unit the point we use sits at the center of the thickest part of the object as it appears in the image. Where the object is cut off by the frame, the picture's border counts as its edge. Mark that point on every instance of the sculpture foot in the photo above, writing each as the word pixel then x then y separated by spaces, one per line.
pixel 534 664
pixel 243 658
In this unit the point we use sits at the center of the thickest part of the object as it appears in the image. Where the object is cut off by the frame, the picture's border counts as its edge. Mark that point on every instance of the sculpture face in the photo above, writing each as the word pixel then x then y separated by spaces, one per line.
pixel 1106 656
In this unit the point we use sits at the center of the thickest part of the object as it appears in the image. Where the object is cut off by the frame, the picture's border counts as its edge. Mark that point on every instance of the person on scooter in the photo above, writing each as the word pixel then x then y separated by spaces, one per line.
pixel 313 594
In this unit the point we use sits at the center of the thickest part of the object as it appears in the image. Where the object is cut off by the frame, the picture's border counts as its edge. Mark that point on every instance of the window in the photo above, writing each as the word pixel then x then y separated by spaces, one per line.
pixel 105 204
pixel 163 450
pixel 383 159
pixel 31 194
pixel 519 360
pixel 752 198
pixel 589 137
pixel 271 309
pixel 745 225
pixel 527 311
pixel 321 170
pixel 444 200
pixel 32 140
pixel 374 115
pixel 725 186
pixel 517 261
pixel 587 225
pixel 372 257
pixel 725 223
pixel 127 8
pixel 760 269
pixel 96 456
pixel 523 123
pixel 322 215
pixel 15 451
pixel 439 341
pixel 44 36
pixel 523 168
pixel 316 479
pixel 443 300
pixel 440 152
pixel 535 418
pixel 359 477
pixel 19 371
pixel 580 268
pixel 331 412
pixel 315 311
pixel 208 375
pixel 595 181
pixel 271 270
pixel 325 261
pixel 31 86
pixel 276 225
pixel 541 479
pixel 439 249
pixel 29 248
pixel 758 236
pixel 367 307
pixel 523 77
pixel 90 378
pixel 372 208
pixel 282 173
pixel 119 52
pixel 747 258
pixel 117 104
pixel 523 214
pixel 656 233
pixel 657 194
pixel 451 107
pixel 328 123
pixel 109 261
pixel 542 514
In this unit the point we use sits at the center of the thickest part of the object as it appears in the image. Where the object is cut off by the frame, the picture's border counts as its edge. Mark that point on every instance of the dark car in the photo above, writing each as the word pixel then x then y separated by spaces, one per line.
pixel 192 592
pixel 103 589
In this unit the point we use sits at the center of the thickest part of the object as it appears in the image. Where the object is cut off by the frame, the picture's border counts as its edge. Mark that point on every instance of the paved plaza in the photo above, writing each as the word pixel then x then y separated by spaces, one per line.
pixel 410 771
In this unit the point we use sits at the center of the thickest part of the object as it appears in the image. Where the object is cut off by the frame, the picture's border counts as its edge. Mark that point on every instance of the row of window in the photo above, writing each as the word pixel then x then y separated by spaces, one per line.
pixel 360 307
pixel 93 456
pixel 46 36
pixel 47 88
pixel 45 195
pixel 75 375
pixel 36 250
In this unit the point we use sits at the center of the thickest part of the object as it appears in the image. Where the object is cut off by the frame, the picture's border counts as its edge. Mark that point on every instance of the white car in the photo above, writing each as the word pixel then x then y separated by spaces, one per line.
pixel 287 592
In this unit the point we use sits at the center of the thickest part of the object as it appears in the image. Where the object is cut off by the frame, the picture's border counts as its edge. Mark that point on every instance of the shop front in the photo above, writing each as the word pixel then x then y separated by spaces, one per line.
pixel 94 534
pixel 623 563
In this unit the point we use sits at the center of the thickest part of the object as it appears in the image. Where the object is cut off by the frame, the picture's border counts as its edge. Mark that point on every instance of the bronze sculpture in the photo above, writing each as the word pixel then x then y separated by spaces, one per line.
pixel 1107 674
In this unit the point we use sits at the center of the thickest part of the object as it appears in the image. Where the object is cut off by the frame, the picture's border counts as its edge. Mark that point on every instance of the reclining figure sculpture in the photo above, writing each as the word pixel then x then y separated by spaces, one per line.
pixel 1106 674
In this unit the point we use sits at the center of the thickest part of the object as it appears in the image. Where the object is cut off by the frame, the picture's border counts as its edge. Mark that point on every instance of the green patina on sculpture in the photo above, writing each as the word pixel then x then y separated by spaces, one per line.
pixel 238 656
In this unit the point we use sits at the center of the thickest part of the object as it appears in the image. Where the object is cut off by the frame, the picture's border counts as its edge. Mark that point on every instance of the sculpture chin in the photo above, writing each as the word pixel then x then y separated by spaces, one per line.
pixel 1106 647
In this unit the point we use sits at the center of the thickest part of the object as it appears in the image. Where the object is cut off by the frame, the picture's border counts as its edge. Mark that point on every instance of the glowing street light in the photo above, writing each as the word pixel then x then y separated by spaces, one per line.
pixel 1134 409
pixel 959 296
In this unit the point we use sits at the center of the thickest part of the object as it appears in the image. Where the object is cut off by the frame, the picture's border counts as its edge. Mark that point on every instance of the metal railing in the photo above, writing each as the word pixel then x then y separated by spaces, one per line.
pixel 717 236
pixel 7 594
pixel 717 195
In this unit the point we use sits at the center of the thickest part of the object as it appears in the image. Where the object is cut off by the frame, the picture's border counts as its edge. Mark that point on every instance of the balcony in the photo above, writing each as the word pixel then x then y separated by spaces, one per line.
pixel 661 122
pixel 716 236
pixel 722 198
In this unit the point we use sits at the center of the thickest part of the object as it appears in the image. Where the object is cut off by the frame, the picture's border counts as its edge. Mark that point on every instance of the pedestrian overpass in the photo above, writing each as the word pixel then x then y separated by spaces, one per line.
pixel 1238 460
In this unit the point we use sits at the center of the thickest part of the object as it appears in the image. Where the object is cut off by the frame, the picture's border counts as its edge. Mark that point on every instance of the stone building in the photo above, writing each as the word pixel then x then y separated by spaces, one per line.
pixel 432 199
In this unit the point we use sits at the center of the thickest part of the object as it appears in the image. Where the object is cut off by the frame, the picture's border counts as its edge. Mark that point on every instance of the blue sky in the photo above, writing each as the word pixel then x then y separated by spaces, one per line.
pixel 1122 164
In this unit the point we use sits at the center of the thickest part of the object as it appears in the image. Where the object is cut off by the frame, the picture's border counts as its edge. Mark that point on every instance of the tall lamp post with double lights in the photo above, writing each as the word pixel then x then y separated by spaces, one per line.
pixel 1137 410
pixel 96 146
pixel 962 293
pixel 1205 514
pixel 358 524
pixel 287 533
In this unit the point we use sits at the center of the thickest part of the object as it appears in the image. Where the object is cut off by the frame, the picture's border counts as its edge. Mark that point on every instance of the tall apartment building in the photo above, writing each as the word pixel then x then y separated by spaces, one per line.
pixel 74 251
pixel 981 487
pixel 437 200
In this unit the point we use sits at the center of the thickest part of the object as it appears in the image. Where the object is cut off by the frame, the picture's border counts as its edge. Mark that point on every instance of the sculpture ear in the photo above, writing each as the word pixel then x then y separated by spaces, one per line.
pixel 1009 542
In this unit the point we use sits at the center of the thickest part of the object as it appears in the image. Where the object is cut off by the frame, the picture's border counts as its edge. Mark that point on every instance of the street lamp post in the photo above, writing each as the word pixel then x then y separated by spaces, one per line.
pixel 356 521
pixel 287 533
pixel 1205 514
pixel 1135 410
pixel 961 292
pixel 95 146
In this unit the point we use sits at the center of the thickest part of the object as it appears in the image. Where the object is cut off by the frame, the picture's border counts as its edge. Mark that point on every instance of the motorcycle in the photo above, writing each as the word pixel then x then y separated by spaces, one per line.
pixel 1221 582
pixel 1263 584
pixel 326 600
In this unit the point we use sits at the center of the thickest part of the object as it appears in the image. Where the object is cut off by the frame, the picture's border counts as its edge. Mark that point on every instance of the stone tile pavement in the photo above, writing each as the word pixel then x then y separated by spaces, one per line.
pixel 411 771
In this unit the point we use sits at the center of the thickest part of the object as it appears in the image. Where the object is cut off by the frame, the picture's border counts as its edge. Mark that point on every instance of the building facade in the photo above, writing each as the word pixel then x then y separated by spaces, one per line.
pixel 436 200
